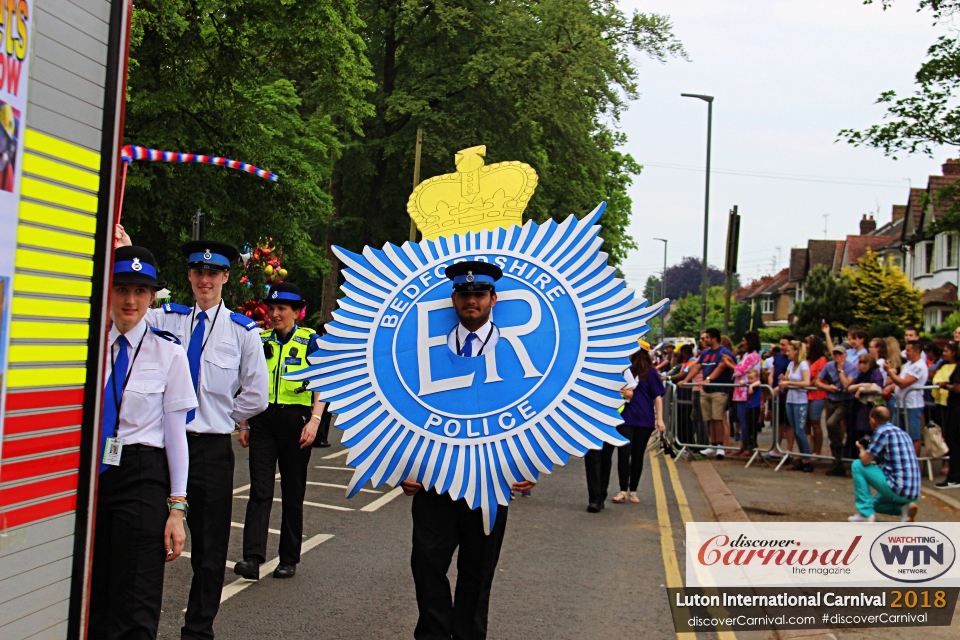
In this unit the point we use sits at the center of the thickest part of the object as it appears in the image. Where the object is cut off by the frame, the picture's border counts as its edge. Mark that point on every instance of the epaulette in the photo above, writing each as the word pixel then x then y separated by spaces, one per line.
pixel 173 307
pixel 247 323
pixel 166 335
pixel 301 339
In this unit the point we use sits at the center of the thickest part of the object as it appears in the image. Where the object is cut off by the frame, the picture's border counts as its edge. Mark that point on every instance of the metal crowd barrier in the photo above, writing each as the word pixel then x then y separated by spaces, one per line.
pixel 672 436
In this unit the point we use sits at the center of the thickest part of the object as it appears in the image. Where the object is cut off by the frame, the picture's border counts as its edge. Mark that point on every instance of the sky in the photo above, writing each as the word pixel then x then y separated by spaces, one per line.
pixel 786 77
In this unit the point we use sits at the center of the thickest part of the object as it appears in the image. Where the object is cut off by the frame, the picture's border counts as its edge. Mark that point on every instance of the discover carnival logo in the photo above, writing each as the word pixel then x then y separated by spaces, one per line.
pixel 912 553
pixel 413 409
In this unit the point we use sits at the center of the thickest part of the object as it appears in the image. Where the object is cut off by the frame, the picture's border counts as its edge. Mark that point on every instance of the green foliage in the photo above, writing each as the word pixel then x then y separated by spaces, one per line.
pixel 884 328
pixel 950 324
pixel 685 313
pixel 275 84
pixel 882 293
pixel 757 320
pixel 739 321
pixel 773 334
pixel 827 298
pixel 542 82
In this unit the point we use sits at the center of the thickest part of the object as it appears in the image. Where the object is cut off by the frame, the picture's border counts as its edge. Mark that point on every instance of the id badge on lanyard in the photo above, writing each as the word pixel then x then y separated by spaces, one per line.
pixel 114 446
pixel 112 452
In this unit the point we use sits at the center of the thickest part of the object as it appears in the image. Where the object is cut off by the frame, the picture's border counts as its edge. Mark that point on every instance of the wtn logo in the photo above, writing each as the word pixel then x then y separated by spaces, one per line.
pixel 912 553
pixel 899 554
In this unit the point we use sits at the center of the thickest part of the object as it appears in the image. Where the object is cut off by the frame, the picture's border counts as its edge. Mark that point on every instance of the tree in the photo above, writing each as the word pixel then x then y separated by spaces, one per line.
pixel 882 293
pixel 544 82
pixel 685 313
pixel 826 298
pixel 651 289
pixel 740 322
pixel 276 84
pixel 687 276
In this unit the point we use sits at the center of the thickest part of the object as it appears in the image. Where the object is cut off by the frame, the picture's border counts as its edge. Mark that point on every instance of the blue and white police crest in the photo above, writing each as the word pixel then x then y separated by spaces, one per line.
pixel 413 409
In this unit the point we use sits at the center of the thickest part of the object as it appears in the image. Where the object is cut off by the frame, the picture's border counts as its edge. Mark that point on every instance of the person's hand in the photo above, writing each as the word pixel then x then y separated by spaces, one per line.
pixel 309 432
pixel 730 362
pixel 943 384
pixel 888 366
pixel 174 535
pixel 825 327
pixel 522 486
pixel 626 394
pixel 660 426
pixel 833 388
pixel 859 446
pixel 244 438
pixel 120 236
pixel 410 487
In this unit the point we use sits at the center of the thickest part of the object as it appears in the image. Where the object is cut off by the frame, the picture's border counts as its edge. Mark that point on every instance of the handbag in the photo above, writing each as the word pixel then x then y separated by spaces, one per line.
pixel 933 440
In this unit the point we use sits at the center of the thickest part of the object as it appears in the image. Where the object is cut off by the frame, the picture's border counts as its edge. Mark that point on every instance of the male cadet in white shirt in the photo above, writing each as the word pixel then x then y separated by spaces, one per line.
pixel 230 377
pixel 142 487
pixel 440 523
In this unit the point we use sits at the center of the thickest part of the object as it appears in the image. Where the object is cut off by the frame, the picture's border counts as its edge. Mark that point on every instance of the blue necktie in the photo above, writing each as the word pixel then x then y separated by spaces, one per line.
pixel 115 384
pixel 193 357
pixel 467 350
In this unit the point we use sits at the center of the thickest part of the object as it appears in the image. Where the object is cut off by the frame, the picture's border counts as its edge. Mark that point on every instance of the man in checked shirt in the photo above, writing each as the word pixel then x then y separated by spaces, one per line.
pixel 888 464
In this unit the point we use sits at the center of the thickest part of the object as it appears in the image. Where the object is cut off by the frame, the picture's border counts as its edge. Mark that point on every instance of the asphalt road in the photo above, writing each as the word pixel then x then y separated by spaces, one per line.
pixel 563 573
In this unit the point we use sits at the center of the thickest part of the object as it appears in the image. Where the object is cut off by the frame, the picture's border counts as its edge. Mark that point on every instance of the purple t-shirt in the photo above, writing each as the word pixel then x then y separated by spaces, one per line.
pixel 639 411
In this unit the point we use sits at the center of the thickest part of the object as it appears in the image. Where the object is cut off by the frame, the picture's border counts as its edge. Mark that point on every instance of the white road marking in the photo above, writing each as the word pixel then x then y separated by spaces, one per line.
pixel 339 486
pixel 336 455
pixel 239 525
pixel 186 554
pixel 309 504
pixel 333 468
pixel 379 502
pixel 267 568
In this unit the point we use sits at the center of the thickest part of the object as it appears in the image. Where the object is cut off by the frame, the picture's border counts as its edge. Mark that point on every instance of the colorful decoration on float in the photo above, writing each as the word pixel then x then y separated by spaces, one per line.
pixel 133 152
pixel 264 267
pixel 412 409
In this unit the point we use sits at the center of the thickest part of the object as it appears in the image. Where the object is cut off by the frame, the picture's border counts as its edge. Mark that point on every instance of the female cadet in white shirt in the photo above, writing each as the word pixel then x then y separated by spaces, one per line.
pixel 141 492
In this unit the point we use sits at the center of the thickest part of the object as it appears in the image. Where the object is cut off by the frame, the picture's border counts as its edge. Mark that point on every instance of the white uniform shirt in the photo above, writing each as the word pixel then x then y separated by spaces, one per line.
pixel 157 396
pixel 232 360
pixel 912 396
pixel 483 334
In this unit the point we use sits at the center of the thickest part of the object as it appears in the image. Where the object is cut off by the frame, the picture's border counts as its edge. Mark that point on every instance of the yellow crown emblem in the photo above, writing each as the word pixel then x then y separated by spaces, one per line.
pixel 476 197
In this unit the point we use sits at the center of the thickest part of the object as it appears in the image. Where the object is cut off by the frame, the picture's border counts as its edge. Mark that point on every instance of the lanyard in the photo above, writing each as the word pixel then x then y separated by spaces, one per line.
pixel 213 323
pixel 117 401
pixel 280 359
pixel 482 346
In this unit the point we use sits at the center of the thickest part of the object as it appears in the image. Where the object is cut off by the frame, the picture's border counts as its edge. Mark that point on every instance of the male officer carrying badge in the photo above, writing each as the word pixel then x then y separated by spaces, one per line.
pixel 229 375
pixel 441 524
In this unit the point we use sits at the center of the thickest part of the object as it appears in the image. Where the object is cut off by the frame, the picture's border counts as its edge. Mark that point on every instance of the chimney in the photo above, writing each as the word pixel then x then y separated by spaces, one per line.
pixel 951 167
pixel 868 225
pixel 899 212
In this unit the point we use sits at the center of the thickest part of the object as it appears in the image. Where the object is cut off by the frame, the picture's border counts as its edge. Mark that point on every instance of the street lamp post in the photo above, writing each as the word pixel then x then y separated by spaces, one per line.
pixel 663 289
pixel 706 208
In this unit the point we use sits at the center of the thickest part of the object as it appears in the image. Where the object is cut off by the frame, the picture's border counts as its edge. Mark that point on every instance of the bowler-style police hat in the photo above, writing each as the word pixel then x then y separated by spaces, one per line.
pixel 474 276
pixel 285 293
pixel 135 265
pixel 206 254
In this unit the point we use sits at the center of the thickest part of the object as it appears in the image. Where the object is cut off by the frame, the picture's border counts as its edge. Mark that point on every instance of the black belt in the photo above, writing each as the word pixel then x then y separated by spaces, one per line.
pixel 275 405
pixel 141 447
pixel 197 435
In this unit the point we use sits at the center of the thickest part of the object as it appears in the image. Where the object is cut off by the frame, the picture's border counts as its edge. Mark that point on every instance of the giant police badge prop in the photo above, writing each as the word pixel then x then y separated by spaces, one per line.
pixel 412 409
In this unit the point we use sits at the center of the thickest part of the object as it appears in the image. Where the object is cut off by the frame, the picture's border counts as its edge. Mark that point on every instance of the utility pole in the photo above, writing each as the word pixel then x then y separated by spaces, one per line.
pixel 663 287
pixel 706 209
pixel 825 216
pixel 416 180
pixel 733 245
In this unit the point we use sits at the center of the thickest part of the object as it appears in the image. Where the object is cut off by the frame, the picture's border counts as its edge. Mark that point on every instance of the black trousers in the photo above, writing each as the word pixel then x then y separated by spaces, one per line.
pixel 210 494
pixel 753 426
pixel 440 525
pixel 951 435
pixel 126 586
pixel 630 456
pixel 598 463
pixel 275 441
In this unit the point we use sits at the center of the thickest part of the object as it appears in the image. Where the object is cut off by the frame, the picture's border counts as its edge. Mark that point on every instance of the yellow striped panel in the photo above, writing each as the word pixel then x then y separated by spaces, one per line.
pixel 50 308
pixel 57 286
pixel 27 259
pixel 48 353
pixel 54 194
pixel 29 330
pixel 54 240
pixel 46 168
pixel 34 212
pixel 19 378
pixel 36 141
